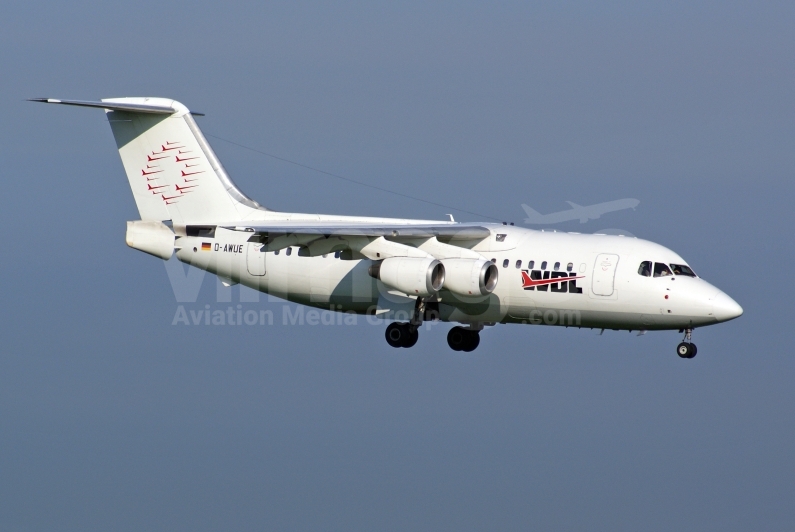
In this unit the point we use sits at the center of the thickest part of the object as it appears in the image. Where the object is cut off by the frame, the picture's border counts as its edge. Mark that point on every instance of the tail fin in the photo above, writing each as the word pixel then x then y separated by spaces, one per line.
pixel 173 172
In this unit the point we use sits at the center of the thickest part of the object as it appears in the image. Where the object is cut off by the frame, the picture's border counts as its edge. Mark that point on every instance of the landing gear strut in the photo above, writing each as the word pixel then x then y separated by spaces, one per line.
pixel 463 339
pixel 687 349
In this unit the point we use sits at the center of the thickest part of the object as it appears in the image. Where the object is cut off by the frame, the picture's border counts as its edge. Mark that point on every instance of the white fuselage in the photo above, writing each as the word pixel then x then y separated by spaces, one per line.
pixel 602 288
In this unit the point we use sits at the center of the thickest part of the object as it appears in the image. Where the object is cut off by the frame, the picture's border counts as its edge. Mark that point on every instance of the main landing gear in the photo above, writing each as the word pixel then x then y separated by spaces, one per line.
pixel 687 349
pixel 406 334
pixel 463 339
pixel 401 334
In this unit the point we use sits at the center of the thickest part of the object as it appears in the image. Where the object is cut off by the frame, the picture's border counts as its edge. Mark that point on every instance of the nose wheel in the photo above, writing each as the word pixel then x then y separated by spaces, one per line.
pixel 687 349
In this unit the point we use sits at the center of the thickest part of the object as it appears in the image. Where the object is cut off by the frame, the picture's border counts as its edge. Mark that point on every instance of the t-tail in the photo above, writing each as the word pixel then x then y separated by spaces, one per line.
pixel 173 173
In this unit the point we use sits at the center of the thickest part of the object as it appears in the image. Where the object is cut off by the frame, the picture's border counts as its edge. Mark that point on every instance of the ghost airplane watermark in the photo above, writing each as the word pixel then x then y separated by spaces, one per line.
pixel 583 213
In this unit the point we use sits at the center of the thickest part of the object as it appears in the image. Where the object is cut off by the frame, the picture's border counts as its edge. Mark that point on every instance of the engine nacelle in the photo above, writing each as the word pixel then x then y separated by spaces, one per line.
pixel 415 276
pixel 154 238
pixel 470 277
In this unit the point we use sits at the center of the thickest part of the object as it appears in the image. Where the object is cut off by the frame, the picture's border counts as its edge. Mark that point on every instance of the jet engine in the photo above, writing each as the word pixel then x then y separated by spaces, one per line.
pixel 470 277
pixel 417 276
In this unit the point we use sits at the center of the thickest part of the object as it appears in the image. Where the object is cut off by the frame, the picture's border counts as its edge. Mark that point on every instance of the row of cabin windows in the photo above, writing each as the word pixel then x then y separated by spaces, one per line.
pixel 661 269
pixel 531 264
pixel 289 251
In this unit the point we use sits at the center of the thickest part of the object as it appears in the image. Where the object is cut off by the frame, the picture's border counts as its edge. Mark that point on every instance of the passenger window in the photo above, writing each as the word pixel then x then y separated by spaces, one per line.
pixel 661 270
pixel 682 269
pixel 337 254
pixel 289 252
pixel 557 266
pixel 505 263
pixel 645 268
pixel 518 264
pixel 494 261
pixel 276 252
pixel 544 265
pixel 531 264
pixel 569 266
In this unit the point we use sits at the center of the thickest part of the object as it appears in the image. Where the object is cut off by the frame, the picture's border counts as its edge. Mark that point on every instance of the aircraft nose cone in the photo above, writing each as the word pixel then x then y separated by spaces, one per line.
pixel 725 308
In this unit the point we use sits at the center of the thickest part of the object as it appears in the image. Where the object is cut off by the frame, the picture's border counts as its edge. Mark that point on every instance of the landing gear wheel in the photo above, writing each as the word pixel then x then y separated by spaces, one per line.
pixel 461 339
pixel 401 335
pixel 412 337
pixel 686 350
pixel 472 342
pixel 457 338
pixel 396 334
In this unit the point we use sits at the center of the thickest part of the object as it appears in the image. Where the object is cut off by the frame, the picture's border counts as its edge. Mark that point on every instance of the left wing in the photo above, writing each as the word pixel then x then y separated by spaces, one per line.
pixel 368 240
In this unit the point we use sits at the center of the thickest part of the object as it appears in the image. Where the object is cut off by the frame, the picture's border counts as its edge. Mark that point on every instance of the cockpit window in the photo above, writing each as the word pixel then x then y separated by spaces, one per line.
pixel 682 269
pixel 645 268
pixel 661 270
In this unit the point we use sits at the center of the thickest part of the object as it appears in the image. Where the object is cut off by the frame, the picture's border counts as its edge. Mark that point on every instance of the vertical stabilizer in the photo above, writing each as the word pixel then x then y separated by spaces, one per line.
pixel 173 172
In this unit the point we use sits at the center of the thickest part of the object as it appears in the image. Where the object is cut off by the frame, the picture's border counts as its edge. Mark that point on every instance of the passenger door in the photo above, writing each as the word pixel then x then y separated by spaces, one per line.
pixel 604 274
pixel 255 259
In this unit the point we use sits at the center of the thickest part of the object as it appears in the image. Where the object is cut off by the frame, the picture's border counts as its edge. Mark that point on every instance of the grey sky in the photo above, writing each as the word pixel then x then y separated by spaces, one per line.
pixel 112 418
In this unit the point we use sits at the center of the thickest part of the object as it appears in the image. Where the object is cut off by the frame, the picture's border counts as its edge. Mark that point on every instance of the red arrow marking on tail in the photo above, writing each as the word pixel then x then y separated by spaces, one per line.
pixel 185 159
pixel 186 174
pixel 167 142
pixel 155 187
pixel 169 149
pixel 185 188
pixel 184 152
pixel 190 180
pixel 150 158
pixel 153 166
pixel 191 165
pixel 144 172
pixel 166 199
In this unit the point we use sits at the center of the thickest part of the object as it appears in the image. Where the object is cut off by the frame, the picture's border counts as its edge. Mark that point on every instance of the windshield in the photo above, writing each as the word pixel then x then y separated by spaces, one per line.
pixel 682 269
pixel 661 270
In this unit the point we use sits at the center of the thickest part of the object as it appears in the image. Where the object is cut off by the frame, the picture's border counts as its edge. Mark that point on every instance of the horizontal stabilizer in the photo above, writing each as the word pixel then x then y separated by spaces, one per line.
pixel 112 106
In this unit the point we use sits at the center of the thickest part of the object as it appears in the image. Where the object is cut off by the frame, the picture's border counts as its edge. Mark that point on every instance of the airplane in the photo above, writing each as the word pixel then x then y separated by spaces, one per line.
pixel 578 212
pixel 403 271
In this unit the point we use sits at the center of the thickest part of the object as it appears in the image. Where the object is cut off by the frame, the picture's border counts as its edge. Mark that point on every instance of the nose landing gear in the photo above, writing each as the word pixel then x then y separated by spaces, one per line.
pixel 687 349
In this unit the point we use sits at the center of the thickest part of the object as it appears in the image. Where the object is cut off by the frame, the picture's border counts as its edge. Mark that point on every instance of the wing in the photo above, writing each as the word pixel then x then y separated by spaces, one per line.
pixel 367 240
